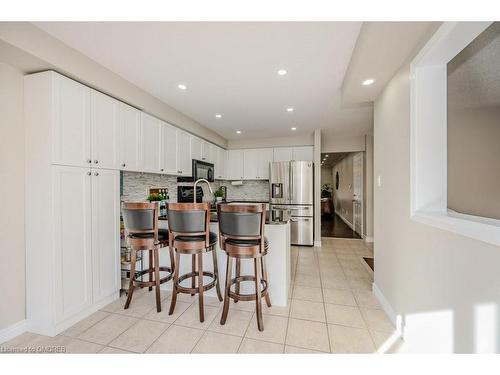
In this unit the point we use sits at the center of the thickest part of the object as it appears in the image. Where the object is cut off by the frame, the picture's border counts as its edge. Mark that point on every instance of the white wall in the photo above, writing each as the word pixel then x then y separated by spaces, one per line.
pixel 332 143
pixel 327 176
pixel 444 286
pixel 368 188
pixel 342 198
pixel 12 255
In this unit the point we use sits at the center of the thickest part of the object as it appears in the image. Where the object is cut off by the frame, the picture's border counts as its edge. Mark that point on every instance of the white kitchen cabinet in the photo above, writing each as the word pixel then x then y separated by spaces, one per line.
pixel 105 233
pixel 212 153
pixel 205 151
pixel 184 153
pixel 256 163
pixel 151 143
pixel 220 165
pixel 104 127
pixel 71 118
pixel 196 148
pixel 129 138
pixel 304 153
pixel 283 154
pixel 169 152
pixel 266 157
pixel 235 166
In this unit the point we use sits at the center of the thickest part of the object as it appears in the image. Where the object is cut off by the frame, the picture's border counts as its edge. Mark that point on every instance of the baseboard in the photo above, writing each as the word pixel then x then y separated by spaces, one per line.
pixel 345 220
pixel 317 243
pixel 369 239
pixel 12 331
pixel 395 319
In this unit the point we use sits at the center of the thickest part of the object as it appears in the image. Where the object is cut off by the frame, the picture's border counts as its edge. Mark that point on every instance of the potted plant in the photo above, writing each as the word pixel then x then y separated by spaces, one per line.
pixel 219 194
pixel 326 191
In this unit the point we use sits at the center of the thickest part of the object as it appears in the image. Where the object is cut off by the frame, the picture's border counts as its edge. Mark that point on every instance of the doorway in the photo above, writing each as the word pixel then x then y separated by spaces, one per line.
pixel 342 195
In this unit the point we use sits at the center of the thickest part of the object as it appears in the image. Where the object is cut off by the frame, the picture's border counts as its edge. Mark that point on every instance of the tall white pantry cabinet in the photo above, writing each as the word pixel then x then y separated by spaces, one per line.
pixel 72 201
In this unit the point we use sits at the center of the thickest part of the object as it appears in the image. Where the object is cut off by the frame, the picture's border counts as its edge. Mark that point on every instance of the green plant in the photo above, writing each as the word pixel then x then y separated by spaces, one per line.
pixel 155 197
pixel 219 193
pixel 326 191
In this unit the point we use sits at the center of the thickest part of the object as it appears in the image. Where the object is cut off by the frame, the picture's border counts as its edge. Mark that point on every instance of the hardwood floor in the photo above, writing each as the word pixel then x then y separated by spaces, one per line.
pixel 334 226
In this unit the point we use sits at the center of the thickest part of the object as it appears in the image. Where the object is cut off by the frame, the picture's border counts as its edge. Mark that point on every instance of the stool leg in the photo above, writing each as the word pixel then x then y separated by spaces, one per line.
pixel 172 260
pixel 150 266
pixel 216 273
pixel 238 269
pixel 200 287
pixel 193 269
pixel 157 279
pixel 264 276
pixel 175 282
pixel 131 284
pixel 258 298
pixel 229 271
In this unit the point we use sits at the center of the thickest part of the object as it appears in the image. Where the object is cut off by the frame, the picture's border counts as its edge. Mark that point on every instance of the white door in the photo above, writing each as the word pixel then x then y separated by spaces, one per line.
pixel 220 165
pixel 251 164
pixel 205 151
pixel 104 129
pixel 71 123
pixel 302 153
pixel 183 153
pixel 151 141
pixel 235 165
pixel 129 138
pixel 266 157
pixel 212 153
pixel 283 154
pixel 196 148
pixel 105 233
pixel 357 200
pixel 72 240
pixel 169 149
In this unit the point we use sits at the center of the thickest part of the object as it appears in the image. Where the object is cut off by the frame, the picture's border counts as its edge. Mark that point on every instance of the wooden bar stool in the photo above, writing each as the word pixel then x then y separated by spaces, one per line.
pixel 142 233
pixel 241 231
pixel 189 234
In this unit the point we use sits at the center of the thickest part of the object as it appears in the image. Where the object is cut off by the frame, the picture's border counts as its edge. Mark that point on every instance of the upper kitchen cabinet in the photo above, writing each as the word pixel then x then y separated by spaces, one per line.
pixel 235 165
pixel 151 143
pixel 205 152
pixel 183 153
pixel 304 153
pixel 129 138
pixel 220 165
pixel 283 154
pixel 196 148
pixel 169 149
pixel 104 130
pixel 256 163
pixel 71 118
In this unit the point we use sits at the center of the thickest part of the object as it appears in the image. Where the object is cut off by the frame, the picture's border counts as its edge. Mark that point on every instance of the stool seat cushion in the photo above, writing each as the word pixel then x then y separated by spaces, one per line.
pixel 244 243
pixel 162 235
pixel 212 239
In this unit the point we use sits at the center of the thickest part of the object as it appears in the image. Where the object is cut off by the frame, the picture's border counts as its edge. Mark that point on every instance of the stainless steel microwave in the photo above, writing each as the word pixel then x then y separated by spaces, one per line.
pixel 200 169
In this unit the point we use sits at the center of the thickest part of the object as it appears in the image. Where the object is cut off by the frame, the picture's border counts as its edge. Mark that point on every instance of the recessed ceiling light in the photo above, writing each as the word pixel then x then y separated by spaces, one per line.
pixel 326 155
pixel 282 72
pixel 368 82
pixel 294 128
pixel 182 86
pixel 238 131
pixel 290 109
pixel 218 115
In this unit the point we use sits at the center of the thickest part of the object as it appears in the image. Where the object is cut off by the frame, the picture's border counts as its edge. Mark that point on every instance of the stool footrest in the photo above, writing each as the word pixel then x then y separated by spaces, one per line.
pixel 251 296
pixel 142 284
pixel 210 285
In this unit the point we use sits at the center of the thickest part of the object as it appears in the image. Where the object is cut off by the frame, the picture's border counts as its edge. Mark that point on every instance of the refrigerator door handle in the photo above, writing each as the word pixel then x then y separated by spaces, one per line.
pixel 290 176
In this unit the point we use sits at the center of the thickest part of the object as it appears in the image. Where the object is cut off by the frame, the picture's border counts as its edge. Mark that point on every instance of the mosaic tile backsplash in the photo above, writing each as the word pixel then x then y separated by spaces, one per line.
pixel 136 188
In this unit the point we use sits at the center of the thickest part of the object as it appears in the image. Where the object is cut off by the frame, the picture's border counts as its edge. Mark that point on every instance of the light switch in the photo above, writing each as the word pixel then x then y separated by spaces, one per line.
pixel 379 181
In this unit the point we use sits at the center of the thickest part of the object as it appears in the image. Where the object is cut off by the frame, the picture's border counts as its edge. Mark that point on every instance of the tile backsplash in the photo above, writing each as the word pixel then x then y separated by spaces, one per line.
pixel 136 187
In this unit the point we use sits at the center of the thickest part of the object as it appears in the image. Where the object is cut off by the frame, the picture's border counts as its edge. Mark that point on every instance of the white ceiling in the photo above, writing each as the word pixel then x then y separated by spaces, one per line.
pixel 230 68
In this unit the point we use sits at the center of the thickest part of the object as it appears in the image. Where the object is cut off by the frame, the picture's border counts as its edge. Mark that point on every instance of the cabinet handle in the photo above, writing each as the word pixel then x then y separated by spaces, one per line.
pixel 123 164
pixel 96 161
pixel 96 174
pixel 179 171
pixel 161 170
pixel 89 173
pixel 89 161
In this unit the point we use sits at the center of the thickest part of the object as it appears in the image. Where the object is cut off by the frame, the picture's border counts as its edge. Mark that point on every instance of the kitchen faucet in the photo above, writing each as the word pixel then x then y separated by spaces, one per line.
pixel 196 184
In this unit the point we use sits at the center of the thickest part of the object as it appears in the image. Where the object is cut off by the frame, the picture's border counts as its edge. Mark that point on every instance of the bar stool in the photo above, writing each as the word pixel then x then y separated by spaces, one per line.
pixel 142 233
pixel 241 230
pixel 189 234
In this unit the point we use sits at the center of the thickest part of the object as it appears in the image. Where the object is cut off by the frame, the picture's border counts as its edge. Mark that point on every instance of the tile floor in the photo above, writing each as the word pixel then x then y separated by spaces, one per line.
pixel 331 310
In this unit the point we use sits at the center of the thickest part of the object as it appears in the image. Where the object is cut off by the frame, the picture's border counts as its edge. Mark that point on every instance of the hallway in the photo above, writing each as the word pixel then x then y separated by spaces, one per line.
pixel 334 226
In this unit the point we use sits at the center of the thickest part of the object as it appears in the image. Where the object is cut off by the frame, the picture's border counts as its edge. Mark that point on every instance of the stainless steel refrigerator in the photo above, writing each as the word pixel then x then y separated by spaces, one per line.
pixel 292 196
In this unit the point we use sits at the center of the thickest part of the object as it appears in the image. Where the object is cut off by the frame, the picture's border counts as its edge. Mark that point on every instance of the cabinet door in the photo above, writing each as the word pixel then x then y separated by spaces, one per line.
pixel 72 240
pixel 283 154
pixel 104 130
pixel 105 233
pixel 71 123
pixel 129 138
pixel 196 148
pixel 266 157
pixel 251 164
pixel 183 153
pixel 303 153
pixel 235 165
pixel 205 151
pixel 151 140
pixel 169 149
pixel 220 164
pixel 212 153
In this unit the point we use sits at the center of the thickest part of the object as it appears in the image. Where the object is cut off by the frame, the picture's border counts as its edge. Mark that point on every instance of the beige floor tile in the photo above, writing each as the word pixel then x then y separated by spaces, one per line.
pixel 22 340
pixel 107 329
pixel 274 329
pixel 339 296
pixel 308 310
pixel 242 305
pixel 276 310
pixel 141 305
pixel 188 298
pixel 109 350
pixel 80 346
pixel 307 280
pixel 350 340
pixel 236 323
pixel 360 284
pixel 139 336
pixel 45 344
pixel 344 315
pixel 387 342
pixel 213 342
pixel 307 293
pixel 209 301
pixel 117 305
pixel 366 299
pixel 78 328
pixel 377 320
pixel 295 350
pixel 163 316
pixel 334 282
pixel 191 317
pixel 176 339
pixel 307 334
pixel 250 346
pixel 307 269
